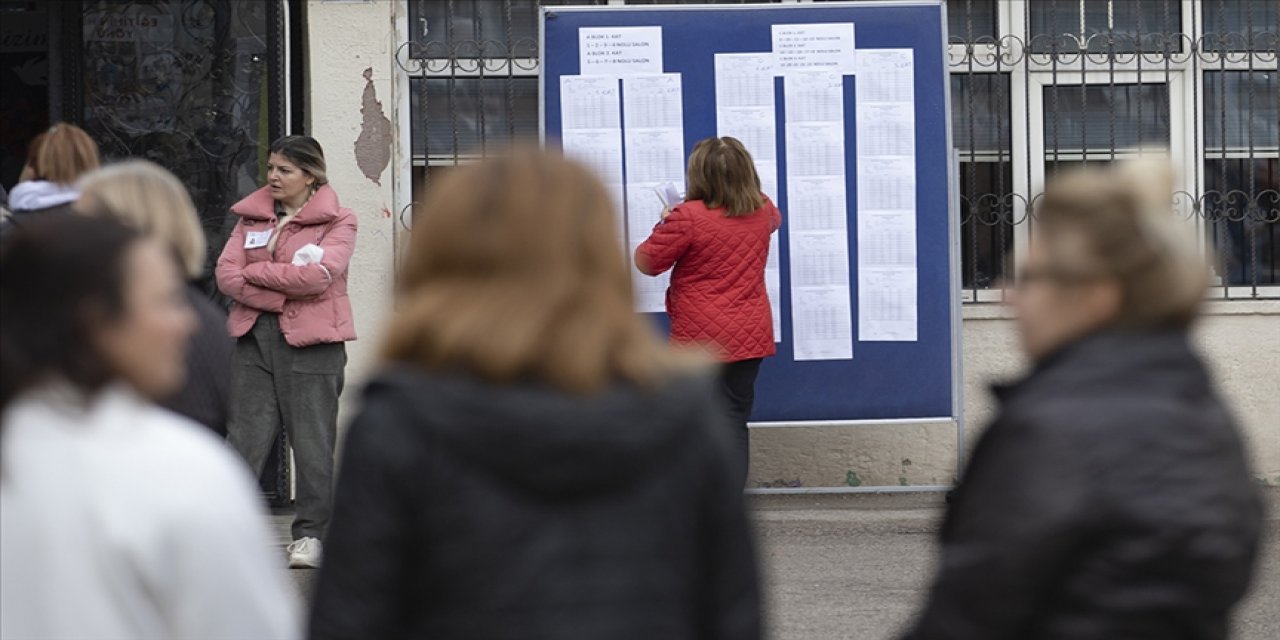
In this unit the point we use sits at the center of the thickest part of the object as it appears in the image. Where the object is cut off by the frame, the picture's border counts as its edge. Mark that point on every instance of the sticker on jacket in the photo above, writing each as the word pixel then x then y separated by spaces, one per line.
pixel 256 239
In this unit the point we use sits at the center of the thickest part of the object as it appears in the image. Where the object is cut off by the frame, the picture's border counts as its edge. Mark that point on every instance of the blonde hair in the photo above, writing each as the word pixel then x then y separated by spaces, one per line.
pixel 722 174
pixel 514 273
pixel 305 153
pixel 149 198
pixel 63 154
pixel 1119 224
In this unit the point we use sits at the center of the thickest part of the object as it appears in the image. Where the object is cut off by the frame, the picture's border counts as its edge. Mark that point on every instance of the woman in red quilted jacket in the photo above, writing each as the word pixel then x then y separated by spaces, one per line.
pixel 717 240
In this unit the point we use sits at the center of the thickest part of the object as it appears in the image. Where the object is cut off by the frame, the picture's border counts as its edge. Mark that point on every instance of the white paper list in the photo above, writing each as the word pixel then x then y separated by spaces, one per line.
pixel 886 182
pixel 746 110
pixel 800 47
pixel 744 80
pixel 815 149
pixel 773 286
pixel 643 212
pixel 821 259
pixel 653 101
pixel 887 238
pixel 619 51
pixel 824 323
pixel 817 206
pixel 885 129
pixel 814 96
pixel 654 135
pixel 887 303
pixel 591 133
pixel 886 75
pixel 822 200
pixel 655 156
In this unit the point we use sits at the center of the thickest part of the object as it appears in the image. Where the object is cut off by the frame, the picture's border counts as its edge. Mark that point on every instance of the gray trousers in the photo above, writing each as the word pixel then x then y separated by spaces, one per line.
pixel 275 384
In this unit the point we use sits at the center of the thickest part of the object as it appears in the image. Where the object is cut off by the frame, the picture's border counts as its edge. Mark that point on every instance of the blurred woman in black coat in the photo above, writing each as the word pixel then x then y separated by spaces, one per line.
pixel 1110 499
pixel 534 462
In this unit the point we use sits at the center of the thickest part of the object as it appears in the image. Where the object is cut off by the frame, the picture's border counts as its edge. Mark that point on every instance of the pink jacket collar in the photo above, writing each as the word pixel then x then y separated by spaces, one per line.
pixel 259 205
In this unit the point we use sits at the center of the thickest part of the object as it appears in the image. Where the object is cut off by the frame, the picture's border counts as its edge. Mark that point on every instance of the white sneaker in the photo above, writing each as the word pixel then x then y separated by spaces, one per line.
pixel 305 554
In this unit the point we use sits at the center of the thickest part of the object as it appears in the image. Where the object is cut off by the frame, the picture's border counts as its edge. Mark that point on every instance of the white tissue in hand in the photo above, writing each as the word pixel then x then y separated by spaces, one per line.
pixel 308 254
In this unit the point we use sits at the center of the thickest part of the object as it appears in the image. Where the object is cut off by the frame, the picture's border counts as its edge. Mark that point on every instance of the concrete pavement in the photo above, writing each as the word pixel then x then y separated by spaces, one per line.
pixel 858 566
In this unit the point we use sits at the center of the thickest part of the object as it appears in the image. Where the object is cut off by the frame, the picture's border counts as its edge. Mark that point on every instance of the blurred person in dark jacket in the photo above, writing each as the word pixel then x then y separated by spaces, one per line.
pixel 149 198
pixel 533 462
pixel 1110 498
pixel 56 159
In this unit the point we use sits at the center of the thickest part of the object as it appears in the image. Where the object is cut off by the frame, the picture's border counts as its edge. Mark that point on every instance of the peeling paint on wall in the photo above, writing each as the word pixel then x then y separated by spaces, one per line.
pixel 373 146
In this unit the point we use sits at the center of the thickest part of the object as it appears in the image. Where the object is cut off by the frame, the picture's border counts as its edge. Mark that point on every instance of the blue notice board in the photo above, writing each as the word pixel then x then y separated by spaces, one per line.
pixel 883 380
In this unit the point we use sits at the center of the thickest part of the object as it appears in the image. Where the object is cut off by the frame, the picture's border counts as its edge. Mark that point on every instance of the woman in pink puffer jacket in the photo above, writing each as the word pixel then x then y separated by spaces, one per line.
pixel 285 266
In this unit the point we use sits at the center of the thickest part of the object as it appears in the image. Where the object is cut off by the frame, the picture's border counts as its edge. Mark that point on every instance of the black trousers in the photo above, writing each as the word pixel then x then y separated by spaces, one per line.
pixel 738 386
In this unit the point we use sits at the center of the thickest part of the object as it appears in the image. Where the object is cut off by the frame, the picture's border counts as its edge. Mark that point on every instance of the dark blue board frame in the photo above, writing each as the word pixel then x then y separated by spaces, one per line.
pixel 884 380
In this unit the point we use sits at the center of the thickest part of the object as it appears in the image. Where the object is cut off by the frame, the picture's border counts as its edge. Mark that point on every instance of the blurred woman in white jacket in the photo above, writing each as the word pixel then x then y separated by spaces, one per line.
pixel 118 519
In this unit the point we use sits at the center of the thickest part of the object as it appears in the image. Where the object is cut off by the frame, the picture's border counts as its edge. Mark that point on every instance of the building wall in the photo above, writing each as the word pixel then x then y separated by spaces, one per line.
pixel 351 116
pixel 1239 339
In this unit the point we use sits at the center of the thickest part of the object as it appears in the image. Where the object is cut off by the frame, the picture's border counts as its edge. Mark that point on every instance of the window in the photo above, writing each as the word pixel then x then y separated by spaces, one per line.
pixel 1242 218
pixel 1241 110
pixel 967 20
pixel 972 20
pixel 478 28
pixel 1240 25
pixel 1241 200
pixel 1104 119
pixel 980 127
pixel 465 115
pixel 1104 25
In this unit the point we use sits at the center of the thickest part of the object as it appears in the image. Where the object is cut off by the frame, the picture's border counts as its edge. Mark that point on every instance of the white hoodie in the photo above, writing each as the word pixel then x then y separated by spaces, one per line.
pixel 121 520
pixel 35 195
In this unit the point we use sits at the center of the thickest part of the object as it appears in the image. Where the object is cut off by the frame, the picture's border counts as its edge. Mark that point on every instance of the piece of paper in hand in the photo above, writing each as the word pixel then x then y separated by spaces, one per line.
pixel 308 254
pixel 668 194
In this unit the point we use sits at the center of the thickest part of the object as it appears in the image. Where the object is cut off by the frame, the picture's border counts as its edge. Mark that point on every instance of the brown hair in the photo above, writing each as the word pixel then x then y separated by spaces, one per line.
pixel 60 278
pixel 147 197
pixel 515 272
pixel 63 154
pixel 306 154
pixel 721 174
pixel 1119 224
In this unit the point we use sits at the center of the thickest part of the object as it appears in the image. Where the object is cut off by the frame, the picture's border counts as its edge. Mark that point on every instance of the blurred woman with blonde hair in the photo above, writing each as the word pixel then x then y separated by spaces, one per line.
pixel 1111 497
pixel 147 197
pixel 533 461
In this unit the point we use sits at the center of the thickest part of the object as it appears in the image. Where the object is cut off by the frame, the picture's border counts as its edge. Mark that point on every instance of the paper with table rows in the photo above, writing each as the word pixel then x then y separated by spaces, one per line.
pixel 653 134
pixel 591 133
pixel 745 110
pixel 887 277
pixel 817 214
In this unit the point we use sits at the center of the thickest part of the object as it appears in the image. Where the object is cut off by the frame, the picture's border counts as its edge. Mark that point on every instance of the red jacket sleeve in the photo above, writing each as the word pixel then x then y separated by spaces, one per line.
pixel 312 279
pixel 777 216
pixel 667 243
pixel 231 280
